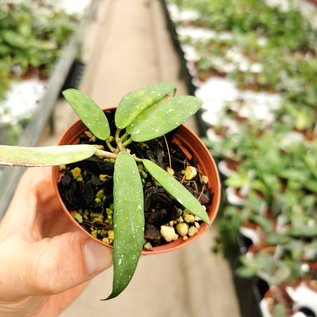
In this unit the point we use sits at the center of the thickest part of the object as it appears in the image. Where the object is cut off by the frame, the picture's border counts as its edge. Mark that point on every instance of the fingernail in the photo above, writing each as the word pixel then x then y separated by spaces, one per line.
pixel 97 257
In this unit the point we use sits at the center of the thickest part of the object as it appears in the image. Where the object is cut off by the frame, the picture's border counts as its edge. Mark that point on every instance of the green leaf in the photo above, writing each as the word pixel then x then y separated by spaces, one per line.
pixel 239 179
pixel 311 184
pixel 246 272
pixel 279 275
pixel 89 113
pixel 128 221
pixel 303 231
pixel 177 190
pixel 14 39
pixel 163 118
pixel 44 156
pixel 279 310
pixel 135 102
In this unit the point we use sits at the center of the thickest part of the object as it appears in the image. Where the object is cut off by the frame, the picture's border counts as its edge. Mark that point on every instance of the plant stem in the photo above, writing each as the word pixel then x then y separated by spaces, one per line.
pixel 202 191
pixel 168 152
pixel 127 142
pixel 117 135
pixel 137 159
pixel 111 148
pixel 118 140
pixel 105 154
pixel 124 137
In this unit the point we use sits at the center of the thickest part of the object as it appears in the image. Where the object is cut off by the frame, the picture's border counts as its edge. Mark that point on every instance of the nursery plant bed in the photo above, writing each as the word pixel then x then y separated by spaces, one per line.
pixel 9 177
pixel 248 123
pixel 184 71
pixel 249 291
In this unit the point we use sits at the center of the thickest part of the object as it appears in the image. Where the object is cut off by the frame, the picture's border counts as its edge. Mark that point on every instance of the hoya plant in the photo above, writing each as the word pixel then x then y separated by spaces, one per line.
pixel 141 115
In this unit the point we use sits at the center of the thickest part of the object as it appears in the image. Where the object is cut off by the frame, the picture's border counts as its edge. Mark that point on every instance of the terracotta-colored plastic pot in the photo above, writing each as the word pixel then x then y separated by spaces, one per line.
pixel 199 151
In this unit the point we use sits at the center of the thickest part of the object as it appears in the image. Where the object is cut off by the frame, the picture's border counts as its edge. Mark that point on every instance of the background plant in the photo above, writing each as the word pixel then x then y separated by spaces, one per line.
pixel 261 47
pixel 32 35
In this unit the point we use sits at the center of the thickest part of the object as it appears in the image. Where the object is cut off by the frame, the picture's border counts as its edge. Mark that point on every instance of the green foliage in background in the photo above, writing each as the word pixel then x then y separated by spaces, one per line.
pixel 32 34
pixel 282 41
pixel 276 170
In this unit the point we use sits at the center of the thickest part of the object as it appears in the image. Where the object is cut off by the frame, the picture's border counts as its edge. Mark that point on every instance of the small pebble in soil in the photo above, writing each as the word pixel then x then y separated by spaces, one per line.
pixel 204 179
pixel 190 172
pixel 188 216
pixel 192 231
pixel 185 226
pixel 148 246
pixel 182 229
pixel 170 171
pixel 168 233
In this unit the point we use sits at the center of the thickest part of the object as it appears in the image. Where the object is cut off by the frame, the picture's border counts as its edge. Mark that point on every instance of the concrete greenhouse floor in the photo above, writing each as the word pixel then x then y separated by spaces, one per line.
pixel 127 46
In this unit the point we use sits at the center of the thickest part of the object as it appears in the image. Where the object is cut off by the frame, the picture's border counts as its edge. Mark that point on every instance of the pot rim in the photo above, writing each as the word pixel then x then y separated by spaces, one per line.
pixel 204 160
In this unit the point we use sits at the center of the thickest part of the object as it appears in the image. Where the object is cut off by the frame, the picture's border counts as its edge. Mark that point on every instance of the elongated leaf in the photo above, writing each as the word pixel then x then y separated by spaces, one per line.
pixel 88 112
pixel 14 39
pixel 177 190
pixel 158 120
pixel 133 103
pixel 128 221
pixel 44 156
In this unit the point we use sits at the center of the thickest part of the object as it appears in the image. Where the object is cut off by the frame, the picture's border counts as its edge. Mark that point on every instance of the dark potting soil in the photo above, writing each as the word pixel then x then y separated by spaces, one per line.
pixel 86 187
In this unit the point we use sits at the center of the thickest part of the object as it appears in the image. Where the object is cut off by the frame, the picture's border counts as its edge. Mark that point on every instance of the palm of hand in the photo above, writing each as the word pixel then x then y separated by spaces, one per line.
pixel 43 267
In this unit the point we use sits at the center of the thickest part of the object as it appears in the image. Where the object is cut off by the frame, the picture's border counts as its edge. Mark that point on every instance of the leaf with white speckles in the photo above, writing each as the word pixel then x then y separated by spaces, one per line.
pixel 88 112
pixel 163 118
pixel 128 221
pixel 44 156
pixel 177 190
pixel 133 103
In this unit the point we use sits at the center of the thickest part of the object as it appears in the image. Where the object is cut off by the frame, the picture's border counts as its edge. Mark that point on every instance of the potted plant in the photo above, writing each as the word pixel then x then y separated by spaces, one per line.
pixel 114 180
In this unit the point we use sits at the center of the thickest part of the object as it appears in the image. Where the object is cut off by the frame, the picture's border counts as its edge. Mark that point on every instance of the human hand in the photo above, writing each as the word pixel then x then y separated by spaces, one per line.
pixel 45 262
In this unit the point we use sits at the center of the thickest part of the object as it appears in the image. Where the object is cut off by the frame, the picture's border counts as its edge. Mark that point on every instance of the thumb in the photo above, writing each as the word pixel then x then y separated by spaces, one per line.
pixel 51 266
